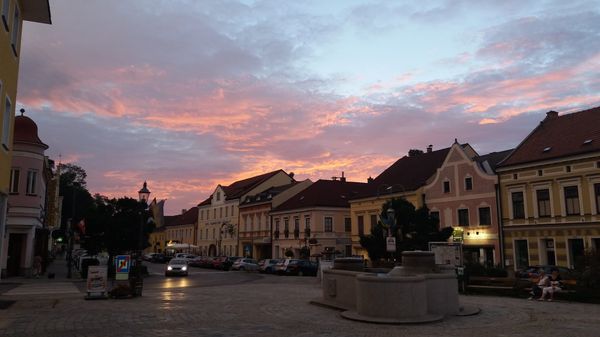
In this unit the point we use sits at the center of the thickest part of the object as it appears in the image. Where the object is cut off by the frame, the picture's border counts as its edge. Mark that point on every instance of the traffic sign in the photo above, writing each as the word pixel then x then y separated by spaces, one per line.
pixel 122 264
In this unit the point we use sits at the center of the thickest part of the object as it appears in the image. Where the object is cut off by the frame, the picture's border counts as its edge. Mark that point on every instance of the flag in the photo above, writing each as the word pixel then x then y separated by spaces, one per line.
pixel 81 226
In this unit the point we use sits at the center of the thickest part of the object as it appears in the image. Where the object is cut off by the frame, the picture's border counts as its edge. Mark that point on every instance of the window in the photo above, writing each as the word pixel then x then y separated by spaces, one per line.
pixel 348 250
pixel 597 193
pixel 296 227
pixel 373 220
pixel 6 123
pixel 5 9
pixel 485 216
pixel 540 173
pixel 446 187
pixel 521 254
pixel 277 229
pixel 568 168
pixel 468 183
pixel 201 214
pixel 220 212
pixel 218 196
pixel 515 176
pixel 435 215
pixel 286 229
pixel 214 213
pixel 463 217
pixel 518 205
pixel 14 181
pixel 14 42
pixel 31 180
pixel 347 225
pixel 307 222
pixel 361 225
pixel 572 200
pixel 543 202
pixel 328 224
pixel 226 211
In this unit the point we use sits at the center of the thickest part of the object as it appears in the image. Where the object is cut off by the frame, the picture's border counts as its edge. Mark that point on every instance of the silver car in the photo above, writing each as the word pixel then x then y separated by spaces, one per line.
pixel 177 267
pixel 245 264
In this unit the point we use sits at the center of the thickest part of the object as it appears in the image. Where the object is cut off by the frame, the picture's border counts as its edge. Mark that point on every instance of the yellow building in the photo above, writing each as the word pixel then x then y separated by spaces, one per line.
pixel 550 192
pixel 12 15
pixel 218 215
pixel 405 178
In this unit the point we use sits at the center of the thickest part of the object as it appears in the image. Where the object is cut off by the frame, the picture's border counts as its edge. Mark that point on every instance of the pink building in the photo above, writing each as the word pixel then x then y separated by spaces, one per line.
pixel 462 194
pixel 30 172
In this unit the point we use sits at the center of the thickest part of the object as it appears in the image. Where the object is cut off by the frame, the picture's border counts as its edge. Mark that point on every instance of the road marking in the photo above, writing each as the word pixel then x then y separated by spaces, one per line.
pixel 43 288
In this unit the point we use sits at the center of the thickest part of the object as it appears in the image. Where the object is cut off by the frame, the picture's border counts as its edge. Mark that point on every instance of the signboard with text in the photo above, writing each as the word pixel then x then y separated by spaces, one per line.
pixel 448 253
pixel 97 279
pixel 390 243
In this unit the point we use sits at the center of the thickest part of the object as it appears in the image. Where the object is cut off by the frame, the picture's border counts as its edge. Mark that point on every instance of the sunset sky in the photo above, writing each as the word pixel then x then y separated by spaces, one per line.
pixel 191 94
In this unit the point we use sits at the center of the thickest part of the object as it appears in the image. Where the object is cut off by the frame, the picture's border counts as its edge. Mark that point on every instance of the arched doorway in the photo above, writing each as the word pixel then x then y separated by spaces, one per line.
pixel 212 250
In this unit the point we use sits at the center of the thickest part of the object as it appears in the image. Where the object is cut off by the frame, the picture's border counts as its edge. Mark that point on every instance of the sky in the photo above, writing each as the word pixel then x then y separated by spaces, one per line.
pixel 189 94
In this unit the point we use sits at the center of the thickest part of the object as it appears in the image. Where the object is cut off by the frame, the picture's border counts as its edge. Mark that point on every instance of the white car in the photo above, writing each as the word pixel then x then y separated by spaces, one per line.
pixel 177 267
pixel 184 256
pixel 245 264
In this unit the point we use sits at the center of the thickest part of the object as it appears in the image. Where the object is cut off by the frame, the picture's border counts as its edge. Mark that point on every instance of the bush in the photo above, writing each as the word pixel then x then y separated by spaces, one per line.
pixel 588 281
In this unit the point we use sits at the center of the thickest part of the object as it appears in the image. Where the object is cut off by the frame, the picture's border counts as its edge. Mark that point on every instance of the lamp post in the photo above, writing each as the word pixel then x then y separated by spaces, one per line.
pixel 143 194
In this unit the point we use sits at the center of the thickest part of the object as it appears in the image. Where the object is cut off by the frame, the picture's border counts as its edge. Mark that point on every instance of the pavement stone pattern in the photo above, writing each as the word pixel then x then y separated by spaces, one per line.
pixel 272 306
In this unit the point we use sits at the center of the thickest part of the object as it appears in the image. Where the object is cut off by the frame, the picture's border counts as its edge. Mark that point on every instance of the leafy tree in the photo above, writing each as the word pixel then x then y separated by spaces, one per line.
pixel 77 200
pixel 414 229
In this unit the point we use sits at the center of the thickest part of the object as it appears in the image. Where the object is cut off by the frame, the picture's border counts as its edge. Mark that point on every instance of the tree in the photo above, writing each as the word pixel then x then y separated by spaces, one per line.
pixel 414 229
pixel 77 200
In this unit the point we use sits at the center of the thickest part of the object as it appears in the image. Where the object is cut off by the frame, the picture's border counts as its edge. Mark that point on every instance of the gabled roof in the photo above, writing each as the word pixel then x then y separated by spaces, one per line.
pixel 559 136
pixel 492 158
pixel 266 195
pixel 324 193
pixel 241 187
pixel 188 217
pixel 205 202
pixel 406 174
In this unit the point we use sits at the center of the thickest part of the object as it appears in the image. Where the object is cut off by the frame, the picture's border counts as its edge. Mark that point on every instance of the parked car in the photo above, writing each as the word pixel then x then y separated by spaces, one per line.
pixel 281 266
pixel 177 267
pixel 217 262
pixel 569 276
pixel 196 262
pixel 267 265
pixel 185 256
pixel 160 258
pixel 302 268
pixel 206 261
pixel 226 265
pixel 245 264
pixel 148 257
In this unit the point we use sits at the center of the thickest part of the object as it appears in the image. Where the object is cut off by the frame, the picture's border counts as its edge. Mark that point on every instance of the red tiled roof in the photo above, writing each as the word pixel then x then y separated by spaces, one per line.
pixel 324 193
pixel 406 174
pixel 188 217
pixel 559 136
pixel 241 187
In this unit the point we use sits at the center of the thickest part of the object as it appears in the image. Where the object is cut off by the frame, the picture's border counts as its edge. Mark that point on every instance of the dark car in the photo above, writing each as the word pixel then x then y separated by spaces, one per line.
pixel 160 258
pixel 267 265
pixel 569 276
pixel 226 265
pixel 302 268
pixel 217 262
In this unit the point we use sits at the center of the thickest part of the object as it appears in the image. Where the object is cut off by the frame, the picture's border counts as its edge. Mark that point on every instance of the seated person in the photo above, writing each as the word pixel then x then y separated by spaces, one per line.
pixel 554 287
pixel 543 281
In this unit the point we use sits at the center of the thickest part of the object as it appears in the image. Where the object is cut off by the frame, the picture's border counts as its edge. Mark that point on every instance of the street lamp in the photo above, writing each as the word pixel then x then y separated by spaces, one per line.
pixel 144 195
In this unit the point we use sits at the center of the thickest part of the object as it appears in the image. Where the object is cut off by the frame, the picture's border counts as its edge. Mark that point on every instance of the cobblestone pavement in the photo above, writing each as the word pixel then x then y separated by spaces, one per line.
pixel 273 306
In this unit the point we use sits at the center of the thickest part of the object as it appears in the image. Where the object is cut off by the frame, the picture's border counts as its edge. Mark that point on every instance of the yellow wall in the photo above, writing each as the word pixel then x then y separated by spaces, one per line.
pixel 9 74
pixel 368 206
pixel 561 228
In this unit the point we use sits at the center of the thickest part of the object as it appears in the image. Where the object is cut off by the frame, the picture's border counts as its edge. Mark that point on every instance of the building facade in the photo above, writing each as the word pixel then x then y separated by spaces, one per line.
pixel 12 15
pixel 403 179
pixel 462 194
pixel 550 192
pixel 26 233
pixel 180 232
pixel 317 218
pixel 218 215
pixel 256 229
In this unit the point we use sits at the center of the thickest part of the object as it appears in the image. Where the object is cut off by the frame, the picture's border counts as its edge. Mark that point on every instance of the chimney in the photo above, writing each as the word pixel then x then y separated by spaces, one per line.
pixel 342 178
pixel 369 180
pixel 183 210
pixel 551 114
pixel 291 175
pixel 429 148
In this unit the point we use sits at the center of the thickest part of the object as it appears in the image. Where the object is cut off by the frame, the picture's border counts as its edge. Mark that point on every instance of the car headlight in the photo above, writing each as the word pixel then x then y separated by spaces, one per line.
pixel 184 268
pixel 169 268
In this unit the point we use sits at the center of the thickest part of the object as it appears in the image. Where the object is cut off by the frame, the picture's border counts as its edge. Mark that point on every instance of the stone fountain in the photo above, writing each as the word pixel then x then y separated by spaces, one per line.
pixel 416 292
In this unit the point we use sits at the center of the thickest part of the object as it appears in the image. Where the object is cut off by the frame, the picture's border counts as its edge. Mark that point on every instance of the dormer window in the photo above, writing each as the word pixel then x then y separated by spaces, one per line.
pixel 218 196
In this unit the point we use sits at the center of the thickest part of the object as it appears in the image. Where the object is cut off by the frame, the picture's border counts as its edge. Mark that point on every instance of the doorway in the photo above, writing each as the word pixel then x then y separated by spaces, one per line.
pixel 576 252
pixel 16 247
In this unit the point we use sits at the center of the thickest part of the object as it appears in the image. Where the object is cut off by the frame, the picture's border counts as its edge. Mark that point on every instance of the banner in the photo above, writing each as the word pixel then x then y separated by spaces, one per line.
pixel 97 279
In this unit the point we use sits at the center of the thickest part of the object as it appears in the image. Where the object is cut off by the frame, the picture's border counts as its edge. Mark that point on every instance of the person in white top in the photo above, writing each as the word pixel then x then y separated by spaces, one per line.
pixel 543 282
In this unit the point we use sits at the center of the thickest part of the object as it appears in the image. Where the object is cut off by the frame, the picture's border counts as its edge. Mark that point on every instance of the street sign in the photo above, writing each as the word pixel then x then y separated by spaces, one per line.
pixel 122 264
pixel 97 279
pixel 390 243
